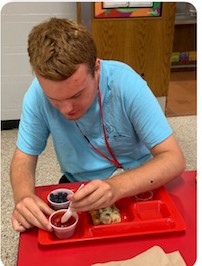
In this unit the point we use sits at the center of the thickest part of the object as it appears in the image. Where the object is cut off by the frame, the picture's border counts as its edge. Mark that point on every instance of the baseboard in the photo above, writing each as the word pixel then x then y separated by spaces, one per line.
pixel 9 124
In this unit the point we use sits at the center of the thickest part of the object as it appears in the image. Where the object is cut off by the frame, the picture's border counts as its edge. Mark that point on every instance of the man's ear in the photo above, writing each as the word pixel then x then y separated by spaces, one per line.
pixel 97 64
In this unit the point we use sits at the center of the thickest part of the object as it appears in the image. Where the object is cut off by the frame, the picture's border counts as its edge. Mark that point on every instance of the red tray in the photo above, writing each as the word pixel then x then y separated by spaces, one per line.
pixel 158 215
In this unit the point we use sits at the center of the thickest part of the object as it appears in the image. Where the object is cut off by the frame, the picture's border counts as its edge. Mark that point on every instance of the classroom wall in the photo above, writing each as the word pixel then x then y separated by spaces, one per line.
pixel 17 19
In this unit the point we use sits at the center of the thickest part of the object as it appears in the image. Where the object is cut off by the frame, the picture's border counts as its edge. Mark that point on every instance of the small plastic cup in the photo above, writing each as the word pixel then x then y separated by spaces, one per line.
pixel 59 205
pixel 144 196
pixel 63 230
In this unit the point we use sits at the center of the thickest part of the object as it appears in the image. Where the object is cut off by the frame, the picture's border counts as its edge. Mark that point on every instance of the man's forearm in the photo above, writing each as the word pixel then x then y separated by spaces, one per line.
pixel 22 175
pixel 153 174
pixel 143 178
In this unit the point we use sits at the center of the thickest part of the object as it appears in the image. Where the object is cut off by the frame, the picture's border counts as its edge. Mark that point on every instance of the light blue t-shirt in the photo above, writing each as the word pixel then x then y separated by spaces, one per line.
pixel 133 119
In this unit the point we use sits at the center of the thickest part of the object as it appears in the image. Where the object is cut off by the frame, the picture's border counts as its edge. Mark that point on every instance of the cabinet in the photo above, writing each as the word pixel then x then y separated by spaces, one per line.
pixel 144 43
pixel 184 44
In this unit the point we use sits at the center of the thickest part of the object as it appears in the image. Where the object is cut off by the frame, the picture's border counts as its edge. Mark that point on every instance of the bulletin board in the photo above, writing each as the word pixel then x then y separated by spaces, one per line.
pixel 127 9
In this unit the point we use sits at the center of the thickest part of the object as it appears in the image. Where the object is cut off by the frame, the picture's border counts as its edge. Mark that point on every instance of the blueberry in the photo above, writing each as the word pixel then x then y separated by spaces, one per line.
pixel 60 194
pixel 59 197
pixel 53 197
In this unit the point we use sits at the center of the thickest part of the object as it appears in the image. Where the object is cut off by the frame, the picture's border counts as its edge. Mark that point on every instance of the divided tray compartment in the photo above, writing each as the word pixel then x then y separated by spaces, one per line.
pixel 154 216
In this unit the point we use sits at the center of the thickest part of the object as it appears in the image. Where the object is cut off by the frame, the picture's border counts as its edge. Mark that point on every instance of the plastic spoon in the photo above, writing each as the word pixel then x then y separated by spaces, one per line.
pixel 69 212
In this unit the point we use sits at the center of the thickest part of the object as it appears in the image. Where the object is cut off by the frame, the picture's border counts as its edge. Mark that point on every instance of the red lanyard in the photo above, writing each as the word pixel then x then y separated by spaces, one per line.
pixel 114 160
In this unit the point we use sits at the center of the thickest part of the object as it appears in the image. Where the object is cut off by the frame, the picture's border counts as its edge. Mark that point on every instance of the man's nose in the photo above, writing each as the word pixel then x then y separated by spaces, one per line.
pixel 66 107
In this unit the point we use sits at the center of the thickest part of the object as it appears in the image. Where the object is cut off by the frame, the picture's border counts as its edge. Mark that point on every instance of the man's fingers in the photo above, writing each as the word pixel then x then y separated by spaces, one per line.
pixel 29 213
pixel 38 218
pixel 95 194
pixel 17 226
pixel 83 192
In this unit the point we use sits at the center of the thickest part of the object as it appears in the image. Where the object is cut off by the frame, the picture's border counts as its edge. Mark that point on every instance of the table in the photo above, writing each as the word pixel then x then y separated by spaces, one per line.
pixel 183 192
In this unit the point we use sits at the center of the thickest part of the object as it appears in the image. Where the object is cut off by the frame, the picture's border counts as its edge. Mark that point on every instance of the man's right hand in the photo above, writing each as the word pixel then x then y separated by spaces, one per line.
pixel 29 212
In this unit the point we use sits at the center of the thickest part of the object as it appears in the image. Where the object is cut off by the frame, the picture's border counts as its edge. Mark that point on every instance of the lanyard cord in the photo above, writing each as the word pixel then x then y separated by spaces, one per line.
pixel 114 160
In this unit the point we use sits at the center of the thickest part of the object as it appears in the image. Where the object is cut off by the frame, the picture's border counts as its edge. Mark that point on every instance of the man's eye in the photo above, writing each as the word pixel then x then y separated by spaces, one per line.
pixel 77 95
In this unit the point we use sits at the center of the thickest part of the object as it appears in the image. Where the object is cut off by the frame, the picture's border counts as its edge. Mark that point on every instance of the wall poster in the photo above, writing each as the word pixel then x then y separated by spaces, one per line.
pixel 127 9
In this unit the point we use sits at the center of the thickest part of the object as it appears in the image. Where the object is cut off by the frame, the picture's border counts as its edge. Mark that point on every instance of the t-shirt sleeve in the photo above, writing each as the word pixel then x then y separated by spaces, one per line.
pixel 33 130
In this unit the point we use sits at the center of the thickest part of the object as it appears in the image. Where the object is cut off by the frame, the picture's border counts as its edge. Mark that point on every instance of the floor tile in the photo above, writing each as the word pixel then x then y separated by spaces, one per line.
pixel 182 94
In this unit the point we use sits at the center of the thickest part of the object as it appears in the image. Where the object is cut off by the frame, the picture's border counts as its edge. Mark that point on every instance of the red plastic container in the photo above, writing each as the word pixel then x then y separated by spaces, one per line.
pixel 155 216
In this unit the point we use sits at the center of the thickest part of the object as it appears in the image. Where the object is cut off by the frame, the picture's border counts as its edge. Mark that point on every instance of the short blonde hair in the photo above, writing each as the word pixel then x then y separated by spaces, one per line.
pixel 58 46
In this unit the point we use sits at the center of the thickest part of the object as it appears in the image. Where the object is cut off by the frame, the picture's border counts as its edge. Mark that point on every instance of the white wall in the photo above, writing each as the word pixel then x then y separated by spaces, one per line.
pixel 17 19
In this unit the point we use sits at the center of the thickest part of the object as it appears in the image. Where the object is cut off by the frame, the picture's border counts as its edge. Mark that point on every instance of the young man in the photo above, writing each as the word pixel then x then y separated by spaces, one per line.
pixel 102 116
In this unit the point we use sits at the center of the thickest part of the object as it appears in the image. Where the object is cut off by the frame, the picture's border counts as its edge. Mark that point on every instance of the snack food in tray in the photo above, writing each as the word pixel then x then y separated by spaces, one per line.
pixel 107 215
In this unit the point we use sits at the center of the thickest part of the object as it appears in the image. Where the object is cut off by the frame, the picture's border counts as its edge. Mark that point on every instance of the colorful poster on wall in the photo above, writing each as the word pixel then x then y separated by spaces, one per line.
pixel 127 9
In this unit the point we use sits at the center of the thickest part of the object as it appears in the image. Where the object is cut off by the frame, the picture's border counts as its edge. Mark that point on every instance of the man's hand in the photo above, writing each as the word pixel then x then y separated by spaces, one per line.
pixel 29 212
pixel 95 194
